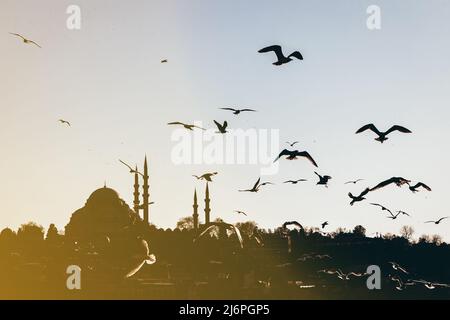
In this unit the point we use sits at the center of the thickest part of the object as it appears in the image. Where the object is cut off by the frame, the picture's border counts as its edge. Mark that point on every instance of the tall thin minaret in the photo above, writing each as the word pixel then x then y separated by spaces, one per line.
pixel 195 213
pixel 207 208
pixel 145 195
pixel 136 192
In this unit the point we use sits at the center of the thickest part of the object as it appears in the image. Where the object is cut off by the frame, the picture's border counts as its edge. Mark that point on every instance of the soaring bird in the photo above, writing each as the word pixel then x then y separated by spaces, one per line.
pixel 400 284
pixel 131 169
pixel 222 127
pixel 341 275
pixel 292 155
pixel 383 208
pixel 437 221
pixel 393 216
pixel 206 176
pixel 323 180
pixel 238 111
pixel 431 285
pixel 144 258
pixel 325 224
pixel 187 126
pixel 354 181
pixel 164 61
pixel 295 181
pixel 382 136
pixel 418 185
pixel 64 122
pixel 398 267
pixel 399 181
pixel 240 212
pixel 255 187
pixel 292 144
pixel 403 213
pixel 280 56
pixel 358 198
pixel 25 40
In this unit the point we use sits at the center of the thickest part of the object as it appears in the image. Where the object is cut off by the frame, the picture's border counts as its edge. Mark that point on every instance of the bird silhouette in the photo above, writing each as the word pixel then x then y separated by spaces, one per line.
pixel 398 267
pixel 354 181
pixel 418 185
pixel 292 155
pixel 403 213
pixel 164 61
pixel 325 224
pixel 292 144
pixel 323 180
pixel 240 212
pixel 341 275
pixel 437 221
pixel 295 181
pixel 238 111
pixel 131 169
pixel 280 56
pixel 186 126
pixel 400 284
pixel 383 208
pixel 255 187
pixel 25 40
pixel 206 176
pixel 382 136
pixel 225 225
pixel 393 216
pixel 222 127
pixel 358 198
pixel 144 258
pixel 65 122
pixel 431 285
pixel 399 181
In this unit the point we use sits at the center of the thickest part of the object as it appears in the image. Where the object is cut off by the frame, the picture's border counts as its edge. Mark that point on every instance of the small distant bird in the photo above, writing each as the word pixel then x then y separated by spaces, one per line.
pixel 240 212
pixel 418 185
pixel 323 180
pixel 383 208
pixel 292 144
pixel 206 176
pixel 325 224
pixel 341 275
pixel 187 126
pixel 354 181
pixel 25 40
pixel 400 284
pixel 437 221
pixel 398 267
pixel 164 61
pixel 222 127
pixel 295 181
pixel 403 213
pixel 280 56
pixel 399 181
pixel 144 258
pixel 255 187
pixel 382 136
pixel 64 122
pixel 238 111
pixel 292 155
pixel 131 169
pixel 358 198
pixel 431 285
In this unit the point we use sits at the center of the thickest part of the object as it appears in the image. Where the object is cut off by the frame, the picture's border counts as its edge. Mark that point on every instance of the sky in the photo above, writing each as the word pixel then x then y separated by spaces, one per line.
pixel 107 80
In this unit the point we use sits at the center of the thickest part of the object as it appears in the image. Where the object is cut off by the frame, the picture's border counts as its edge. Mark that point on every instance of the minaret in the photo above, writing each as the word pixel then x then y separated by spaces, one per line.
pixel 145 194
pixel 195 213
pixel 136 191
pixel 207 208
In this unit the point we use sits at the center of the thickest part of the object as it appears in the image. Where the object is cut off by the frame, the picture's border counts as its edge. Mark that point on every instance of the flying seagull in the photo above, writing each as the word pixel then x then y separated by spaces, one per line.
pixel 398 267
pixel 164 61
pixel 280 56
pixel 240 212
pixel 325 224
pixel 418 185
pixel 187 126
pixel 206 176
pixel 431 285
pixel 437 221
pixel 382 135
pixel 292 144
pixel 25 40
pixel 358 198
pixel 255 187
pixel 341 275
pixel 64 122
pixel 295 181
pixel 238 111
pixel 323 180
pixel 403 212
pixel 292 155
pixel 399 181
pixel 131 169
pixel 393 217
pixel 222 127
pixel 354 181
pixel 400 284
pixel 383 208
pixel 144 258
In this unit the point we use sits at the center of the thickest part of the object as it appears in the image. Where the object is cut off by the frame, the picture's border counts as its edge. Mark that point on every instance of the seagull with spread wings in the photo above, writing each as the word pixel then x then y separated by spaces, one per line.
pixel 255 187
pixel 295 181
pixel 292 144
pixel 206 176
pixel 382 136
pixel 354 181
pixel 186 126
pixel 144 258
pixel 398 267
pixel 399 181
pixel 293 154
pixel 417 186
pixel 240 212
pixel 221 127
pixel 437 221
pixel 131 169
pixel 324 224
pixel 358 198
pixel 238 111
pixel 65 122
pixel 25 40
pixel 282 59
pixel 323 180
pixel 383 208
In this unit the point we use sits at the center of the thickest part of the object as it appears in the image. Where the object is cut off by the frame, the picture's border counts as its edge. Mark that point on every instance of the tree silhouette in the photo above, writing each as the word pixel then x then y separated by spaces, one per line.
pixel 186 223
pixel 407 232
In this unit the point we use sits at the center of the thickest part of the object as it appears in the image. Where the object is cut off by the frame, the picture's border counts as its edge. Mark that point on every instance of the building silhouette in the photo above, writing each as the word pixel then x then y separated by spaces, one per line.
pixel 137 206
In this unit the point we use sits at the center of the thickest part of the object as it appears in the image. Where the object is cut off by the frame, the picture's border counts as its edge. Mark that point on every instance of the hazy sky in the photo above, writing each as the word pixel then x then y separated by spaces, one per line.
pixel 107 80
